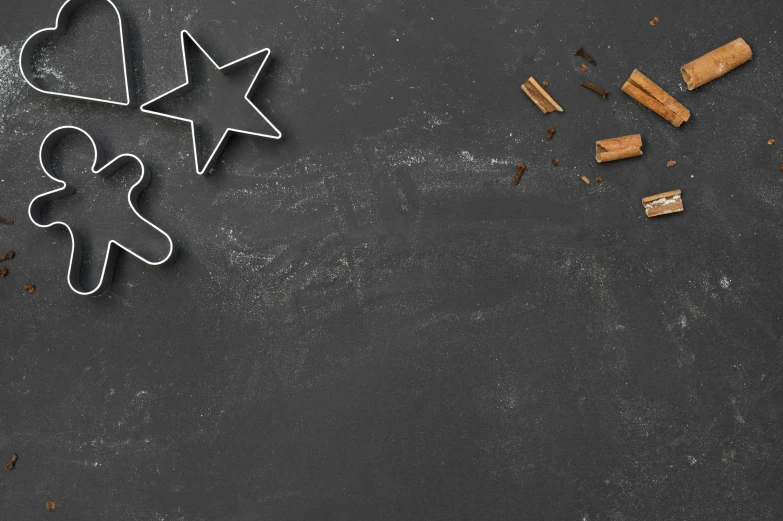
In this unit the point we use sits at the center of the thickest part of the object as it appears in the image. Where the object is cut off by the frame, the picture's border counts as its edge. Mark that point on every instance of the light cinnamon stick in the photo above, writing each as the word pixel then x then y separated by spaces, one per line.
pixel 663 204
pixel 648 93
pixel 715 64
pixel 618 148
pixel 540 97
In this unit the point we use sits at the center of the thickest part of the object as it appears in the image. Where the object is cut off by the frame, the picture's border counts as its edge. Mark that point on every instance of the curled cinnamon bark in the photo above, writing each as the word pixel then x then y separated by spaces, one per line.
pixel 618 148
pixel 663 204
pixel 715 64
pixel 645 91
pixel 540 97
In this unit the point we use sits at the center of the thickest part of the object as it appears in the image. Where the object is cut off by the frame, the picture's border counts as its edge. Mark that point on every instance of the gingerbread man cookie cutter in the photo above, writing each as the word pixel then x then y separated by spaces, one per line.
pixel 39 202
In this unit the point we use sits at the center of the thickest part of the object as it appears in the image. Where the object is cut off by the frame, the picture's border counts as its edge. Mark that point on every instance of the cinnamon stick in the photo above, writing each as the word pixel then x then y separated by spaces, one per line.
pixel 648 93
pixel 715 64
pixel 663 204
pixel 618 148
pixel 540 97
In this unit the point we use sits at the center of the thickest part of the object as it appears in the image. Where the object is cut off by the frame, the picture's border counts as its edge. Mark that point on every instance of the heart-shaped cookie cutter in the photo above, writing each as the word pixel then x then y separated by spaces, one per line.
pixel 37 204
pixel 34 41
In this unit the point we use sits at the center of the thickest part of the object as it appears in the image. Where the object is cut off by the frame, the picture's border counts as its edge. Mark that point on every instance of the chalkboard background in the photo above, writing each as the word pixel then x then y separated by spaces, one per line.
pixel 368 320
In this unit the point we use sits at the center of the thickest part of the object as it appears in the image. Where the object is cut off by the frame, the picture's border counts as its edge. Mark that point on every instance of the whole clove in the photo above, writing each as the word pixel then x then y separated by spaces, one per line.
pixel 520 169
pixel 7 256
pixel 11 463
pixel 3 220
pixel 581 52
pixel 595 88
pixel 3 271
pixel 550 131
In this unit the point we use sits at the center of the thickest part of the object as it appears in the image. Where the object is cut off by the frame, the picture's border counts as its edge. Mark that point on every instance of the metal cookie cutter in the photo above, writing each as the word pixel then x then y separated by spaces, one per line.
pixel 188 85
pixel 61 24
pixel 37 204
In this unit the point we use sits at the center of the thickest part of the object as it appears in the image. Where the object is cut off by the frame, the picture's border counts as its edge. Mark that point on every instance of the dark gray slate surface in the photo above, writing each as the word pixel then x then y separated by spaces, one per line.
pixel 362 323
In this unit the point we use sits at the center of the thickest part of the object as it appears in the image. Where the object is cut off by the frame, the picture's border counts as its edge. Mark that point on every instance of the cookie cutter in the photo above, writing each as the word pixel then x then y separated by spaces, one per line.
pixel 61 25
pixel 38 203
pixel 188 85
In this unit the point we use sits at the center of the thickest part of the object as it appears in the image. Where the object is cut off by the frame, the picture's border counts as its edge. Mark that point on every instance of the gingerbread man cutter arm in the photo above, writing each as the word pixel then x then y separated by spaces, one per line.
pixel 38 203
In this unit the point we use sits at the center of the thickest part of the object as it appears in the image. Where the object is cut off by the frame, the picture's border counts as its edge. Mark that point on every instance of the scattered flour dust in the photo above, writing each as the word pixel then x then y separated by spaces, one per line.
pixel 725 282
pixel 10 82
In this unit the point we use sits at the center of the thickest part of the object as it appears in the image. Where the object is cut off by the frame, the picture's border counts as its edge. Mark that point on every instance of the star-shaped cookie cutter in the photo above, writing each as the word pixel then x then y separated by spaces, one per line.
pixel 188 85
pixel 38 203
pixel 61 24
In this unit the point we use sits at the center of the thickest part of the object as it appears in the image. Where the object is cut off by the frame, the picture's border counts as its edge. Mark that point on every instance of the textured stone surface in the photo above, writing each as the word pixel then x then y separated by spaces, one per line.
pixel 362 324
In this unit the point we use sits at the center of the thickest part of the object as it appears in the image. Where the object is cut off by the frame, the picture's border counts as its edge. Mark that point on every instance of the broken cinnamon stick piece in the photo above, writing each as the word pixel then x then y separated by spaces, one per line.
pixel 663 204
pixel 540 97
pixel 618 148
pixel 716 63
pixel 648 93
pixel 585 179
pixel 671 163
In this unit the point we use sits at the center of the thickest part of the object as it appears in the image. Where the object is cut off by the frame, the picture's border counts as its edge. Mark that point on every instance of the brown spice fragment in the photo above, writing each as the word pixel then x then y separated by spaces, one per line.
pixel 663 204
pixel 716 63
pixel 654 21
pixel 771 142
pixel 3 220
pixel 581 52
pixel 671 163
pixel 583 68
pixel 30 288
pixel 595 88
pixel 648 93
pixel 7 256
pixel 11 463
pixel 555 162
pixel 550 131
pixel 585 179
pixel 598 179
pixel 520 169
pixel 618 148
pixel 545 83
pixel 3 271
pixel 50 506
pixel 539 96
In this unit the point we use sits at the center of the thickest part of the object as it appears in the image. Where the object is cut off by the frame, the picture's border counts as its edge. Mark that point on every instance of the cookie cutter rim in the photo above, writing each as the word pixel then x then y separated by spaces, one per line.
pixel 188 85
pixel 40 201
pixel 61 26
